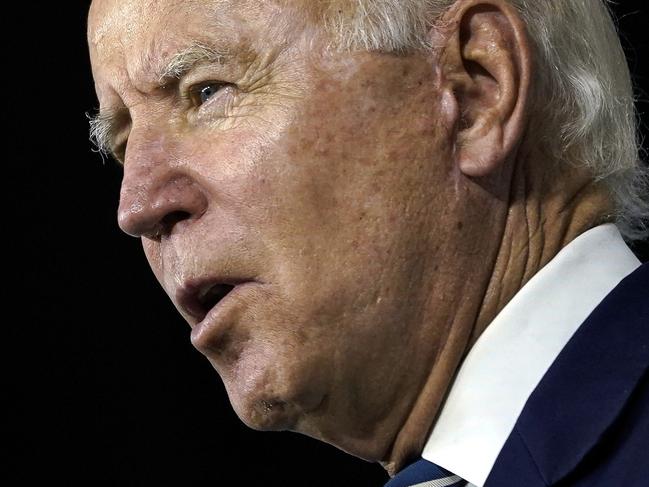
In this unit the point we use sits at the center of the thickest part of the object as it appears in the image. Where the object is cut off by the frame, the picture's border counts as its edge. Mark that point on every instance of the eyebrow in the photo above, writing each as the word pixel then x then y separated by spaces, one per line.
pixel 182 62
pixel 105 125
pixel 104 128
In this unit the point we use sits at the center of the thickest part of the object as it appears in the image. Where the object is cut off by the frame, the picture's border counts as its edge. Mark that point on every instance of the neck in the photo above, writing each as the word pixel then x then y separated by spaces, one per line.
pixel 542 214
pixel 543 219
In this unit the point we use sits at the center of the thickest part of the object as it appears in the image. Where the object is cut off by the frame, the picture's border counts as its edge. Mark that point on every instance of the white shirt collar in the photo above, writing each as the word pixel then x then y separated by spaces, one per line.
pixel 511 356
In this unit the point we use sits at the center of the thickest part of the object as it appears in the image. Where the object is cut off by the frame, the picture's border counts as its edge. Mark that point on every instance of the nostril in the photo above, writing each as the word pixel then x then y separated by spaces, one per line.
pixel 166 224
pixel 152 204
pixel 169 220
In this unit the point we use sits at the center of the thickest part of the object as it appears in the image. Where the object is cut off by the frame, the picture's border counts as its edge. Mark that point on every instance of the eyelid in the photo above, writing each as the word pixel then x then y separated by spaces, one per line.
pixel 118 148
pixel 200 73
pixel 118 152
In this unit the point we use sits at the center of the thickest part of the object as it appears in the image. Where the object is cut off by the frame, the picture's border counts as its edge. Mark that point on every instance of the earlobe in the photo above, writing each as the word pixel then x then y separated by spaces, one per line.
pixel 486 62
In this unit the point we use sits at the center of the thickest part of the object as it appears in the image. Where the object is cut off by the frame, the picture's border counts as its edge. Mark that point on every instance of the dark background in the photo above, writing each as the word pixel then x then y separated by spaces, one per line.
pixel 102 384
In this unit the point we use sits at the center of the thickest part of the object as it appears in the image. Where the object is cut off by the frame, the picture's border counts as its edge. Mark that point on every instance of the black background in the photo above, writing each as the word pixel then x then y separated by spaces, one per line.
pixel 101 382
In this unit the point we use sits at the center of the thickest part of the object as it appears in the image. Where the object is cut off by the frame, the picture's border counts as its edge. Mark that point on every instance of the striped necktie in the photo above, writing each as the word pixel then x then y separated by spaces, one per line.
pixel 423 473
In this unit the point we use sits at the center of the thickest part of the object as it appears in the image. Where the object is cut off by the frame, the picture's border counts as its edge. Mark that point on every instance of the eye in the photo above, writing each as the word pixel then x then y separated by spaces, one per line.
pixel 199 94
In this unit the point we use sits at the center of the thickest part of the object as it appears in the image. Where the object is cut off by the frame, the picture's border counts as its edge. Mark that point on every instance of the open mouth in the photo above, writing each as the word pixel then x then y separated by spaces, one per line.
pixel 197 299
pixel 211 296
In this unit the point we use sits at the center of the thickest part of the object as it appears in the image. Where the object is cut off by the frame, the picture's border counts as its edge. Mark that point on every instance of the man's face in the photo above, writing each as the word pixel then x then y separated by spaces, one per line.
pixel 315 182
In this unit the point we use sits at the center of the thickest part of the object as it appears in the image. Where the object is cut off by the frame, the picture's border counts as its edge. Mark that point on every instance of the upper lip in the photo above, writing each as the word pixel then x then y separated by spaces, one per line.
pixel 192 296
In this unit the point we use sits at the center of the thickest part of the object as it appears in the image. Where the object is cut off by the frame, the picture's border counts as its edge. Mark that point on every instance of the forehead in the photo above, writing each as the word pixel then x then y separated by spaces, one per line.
pixel 132 36
pixel 117 25
pixel 111 21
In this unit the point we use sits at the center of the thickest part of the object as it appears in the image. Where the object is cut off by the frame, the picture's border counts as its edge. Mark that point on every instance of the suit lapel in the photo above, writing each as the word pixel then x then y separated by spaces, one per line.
pixel 583 392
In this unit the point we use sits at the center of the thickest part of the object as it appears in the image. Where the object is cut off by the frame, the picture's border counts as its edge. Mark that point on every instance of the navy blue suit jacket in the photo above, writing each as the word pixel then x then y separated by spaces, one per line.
pixel 587 422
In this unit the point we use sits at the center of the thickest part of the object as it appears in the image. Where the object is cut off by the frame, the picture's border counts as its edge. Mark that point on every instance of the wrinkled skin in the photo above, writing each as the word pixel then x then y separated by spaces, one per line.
pixel 331 183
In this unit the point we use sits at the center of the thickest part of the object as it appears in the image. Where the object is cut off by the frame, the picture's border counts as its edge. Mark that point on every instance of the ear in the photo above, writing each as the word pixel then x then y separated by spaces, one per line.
pixel 486 64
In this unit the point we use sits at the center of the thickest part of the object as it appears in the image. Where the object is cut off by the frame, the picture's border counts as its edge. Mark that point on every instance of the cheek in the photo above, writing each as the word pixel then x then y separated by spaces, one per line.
pixel 237 171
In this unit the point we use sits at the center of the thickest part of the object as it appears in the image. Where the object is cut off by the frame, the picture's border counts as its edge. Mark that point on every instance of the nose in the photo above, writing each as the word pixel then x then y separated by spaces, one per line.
pixel 155 196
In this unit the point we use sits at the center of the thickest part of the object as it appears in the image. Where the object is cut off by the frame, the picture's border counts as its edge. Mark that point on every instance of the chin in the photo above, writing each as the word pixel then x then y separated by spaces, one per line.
pixel 265 414
pixel 271 394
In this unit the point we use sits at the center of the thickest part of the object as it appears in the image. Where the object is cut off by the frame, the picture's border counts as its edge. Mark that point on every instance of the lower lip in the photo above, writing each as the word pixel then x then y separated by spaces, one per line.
pixel 212 326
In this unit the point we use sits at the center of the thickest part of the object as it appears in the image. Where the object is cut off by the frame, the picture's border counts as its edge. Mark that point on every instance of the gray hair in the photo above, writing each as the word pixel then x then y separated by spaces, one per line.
pixel 583 104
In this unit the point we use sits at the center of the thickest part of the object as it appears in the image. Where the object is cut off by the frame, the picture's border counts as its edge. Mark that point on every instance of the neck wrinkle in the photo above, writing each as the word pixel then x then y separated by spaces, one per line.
pixel 547 212
pixel 444 365
pixel 412 436
pixel 542 219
